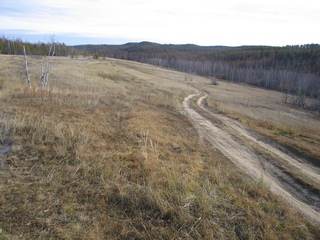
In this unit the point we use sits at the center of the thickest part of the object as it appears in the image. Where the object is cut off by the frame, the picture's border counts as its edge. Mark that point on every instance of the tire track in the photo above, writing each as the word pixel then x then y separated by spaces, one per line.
pixel 303 199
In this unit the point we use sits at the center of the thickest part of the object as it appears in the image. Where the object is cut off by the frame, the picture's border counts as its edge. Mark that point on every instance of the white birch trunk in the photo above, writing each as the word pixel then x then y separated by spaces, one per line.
pixel 26 66
pixel 46 67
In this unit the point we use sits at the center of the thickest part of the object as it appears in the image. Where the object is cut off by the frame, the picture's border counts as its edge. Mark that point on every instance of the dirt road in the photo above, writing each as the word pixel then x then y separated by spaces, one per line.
pixel 239 145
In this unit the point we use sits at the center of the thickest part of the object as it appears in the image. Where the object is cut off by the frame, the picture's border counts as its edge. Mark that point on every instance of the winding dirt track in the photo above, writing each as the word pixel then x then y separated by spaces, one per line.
pixel 241 153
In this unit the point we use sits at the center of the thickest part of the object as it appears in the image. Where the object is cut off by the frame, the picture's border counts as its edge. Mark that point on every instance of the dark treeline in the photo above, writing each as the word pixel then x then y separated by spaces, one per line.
pixel 14 47
pixel 291 69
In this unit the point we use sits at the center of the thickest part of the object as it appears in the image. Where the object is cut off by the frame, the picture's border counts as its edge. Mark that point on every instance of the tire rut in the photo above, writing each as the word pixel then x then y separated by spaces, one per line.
pixel 281 182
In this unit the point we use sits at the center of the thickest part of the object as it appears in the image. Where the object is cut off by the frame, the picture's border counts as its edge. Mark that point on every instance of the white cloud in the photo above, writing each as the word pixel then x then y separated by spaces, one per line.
pixel 228 22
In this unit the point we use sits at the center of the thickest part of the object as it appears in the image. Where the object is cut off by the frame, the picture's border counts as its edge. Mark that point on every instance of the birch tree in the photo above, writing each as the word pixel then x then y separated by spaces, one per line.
pixel 26 66
pixel 45 66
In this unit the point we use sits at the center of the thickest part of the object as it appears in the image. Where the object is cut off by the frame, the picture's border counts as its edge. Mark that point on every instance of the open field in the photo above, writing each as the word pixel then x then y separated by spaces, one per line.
pixel 107 152
pixel 265 112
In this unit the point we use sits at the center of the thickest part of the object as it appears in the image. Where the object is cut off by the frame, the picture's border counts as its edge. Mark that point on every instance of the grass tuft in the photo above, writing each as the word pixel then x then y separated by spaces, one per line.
pixel 289 132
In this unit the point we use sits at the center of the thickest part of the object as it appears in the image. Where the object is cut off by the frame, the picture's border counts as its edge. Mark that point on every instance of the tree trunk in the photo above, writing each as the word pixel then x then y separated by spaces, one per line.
pixel 46 67
pixel 26 66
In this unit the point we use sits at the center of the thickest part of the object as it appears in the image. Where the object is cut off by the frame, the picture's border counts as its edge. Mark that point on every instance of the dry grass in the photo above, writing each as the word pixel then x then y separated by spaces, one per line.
pixel 266 112
pixel 105 153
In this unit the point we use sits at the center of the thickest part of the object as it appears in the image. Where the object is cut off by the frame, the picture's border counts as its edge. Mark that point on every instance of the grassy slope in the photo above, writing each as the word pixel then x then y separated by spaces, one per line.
pixel 106 153
pixel 266 112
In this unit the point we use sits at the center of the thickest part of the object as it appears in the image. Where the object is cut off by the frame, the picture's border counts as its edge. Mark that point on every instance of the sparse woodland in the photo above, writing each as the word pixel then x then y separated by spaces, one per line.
pixel 291 69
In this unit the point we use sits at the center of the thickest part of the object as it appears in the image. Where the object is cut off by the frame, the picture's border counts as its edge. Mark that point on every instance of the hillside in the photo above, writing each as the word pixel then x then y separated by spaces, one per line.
pixel 303 58
pixel 108 152
pixel 291 69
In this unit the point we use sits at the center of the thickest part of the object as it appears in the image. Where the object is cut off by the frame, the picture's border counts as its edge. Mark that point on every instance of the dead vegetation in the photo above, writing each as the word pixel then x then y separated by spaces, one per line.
pixel 267 113
pixel 106 153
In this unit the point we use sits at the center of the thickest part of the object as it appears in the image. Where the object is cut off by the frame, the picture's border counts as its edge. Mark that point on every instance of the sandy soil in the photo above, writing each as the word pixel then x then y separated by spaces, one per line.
pixel 235 142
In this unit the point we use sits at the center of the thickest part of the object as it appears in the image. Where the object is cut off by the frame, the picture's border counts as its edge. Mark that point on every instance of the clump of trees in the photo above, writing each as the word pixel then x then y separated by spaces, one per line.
pixel 14 46
pixel 45 66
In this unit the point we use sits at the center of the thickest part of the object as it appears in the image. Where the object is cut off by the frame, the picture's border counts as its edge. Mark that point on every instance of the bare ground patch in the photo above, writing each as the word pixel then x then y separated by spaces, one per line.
pixel 240 151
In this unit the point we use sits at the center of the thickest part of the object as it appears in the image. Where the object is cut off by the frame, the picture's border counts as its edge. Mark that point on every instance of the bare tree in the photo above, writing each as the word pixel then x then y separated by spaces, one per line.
pixel 301 92
pixel 26 66
pixel 47 65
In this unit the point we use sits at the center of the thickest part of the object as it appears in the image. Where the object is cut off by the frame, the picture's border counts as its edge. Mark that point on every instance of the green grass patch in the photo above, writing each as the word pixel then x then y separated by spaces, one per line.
pixel 284 131
pixel 263 152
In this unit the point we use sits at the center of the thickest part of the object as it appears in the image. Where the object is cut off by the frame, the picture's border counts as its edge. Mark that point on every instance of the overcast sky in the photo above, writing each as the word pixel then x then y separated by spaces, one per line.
pixel 202 22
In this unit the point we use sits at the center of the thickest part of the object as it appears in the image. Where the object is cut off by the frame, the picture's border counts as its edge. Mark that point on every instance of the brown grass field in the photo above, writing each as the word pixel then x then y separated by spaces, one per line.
pixel 107 152
pixel 265 112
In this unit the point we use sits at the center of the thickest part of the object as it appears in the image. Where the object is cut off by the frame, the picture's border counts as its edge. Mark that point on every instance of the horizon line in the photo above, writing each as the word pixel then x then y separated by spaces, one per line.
pixel 71 41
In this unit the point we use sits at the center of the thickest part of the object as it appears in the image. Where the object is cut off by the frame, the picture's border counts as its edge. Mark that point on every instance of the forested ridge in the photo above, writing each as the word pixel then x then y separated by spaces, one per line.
pixel 301 57
pixel 291 69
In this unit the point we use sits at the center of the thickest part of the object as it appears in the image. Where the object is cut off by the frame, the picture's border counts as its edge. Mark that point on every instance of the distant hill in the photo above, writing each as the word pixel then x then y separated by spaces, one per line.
pixel 171 46
pixel 304 58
